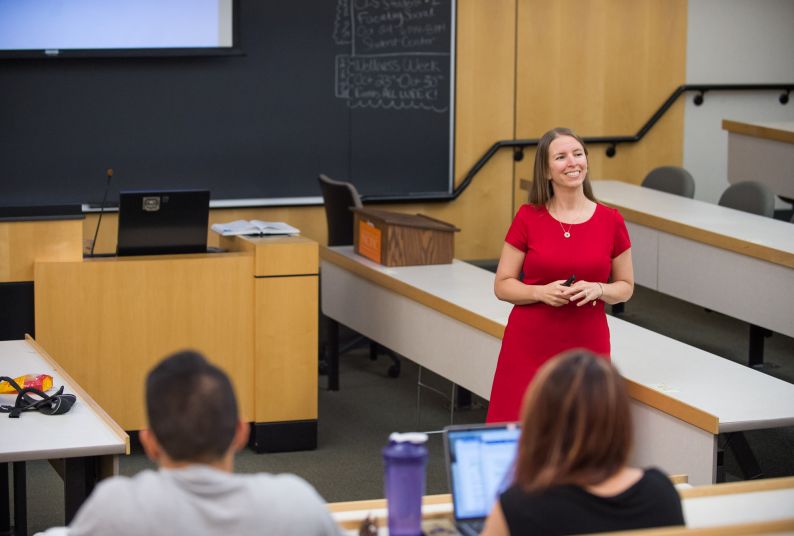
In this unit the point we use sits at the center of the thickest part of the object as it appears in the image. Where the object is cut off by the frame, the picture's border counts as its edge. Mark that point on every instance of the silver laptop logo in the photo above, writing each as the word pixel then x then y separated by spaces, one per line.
pixel 151 204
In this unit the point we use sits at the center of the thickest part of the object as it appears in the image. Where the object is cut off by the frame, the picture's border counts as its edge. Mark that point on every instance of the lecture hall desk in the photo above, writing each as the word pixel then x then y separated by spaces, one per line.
pixel 729 261
pixel 762 152
pixel 447 319
pixel 252 311
pixel 84 443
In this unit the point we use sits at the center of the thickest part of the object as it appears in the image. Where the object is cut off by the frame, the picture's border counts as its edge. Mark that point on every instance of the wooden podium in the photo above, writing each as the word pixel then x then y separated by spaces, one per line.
pixel 251 311
pixel 397 239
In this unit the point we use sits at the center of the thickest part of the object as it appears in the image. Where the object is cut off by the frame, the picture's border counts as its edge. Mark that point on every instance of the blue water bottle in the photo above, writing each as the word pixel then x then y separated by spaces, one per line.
pixel 405 458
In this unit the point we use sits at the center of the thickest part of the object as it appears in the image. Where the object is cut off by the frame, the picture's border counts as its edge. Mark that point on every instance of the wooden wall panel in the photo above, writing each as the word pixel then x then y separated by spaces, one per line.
pixel 602 67
pixel 24 242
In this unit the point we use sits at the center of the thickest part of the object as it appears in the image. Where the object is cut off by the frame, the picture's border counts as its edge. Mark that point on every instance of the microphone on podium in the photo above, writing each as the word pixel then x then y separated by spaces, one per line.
pixel 109 174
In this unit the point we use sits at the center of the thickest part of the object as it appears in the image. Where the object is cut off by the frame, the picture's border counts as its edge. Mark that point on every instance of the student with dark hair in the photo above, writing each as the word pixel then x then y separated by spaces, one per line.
pixel 571 474
pixel 194 433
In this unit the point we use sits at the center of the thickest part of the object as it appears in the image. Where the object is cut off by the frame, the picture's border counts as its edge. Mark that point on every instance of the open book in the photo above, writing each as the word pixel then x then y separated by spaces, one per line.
pixel 254 227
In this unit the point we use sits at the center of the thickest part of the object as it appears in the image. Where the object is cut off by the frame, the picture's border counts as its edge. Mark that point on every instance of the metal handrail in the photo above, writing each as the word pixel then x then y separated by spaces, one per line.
pixel 612 141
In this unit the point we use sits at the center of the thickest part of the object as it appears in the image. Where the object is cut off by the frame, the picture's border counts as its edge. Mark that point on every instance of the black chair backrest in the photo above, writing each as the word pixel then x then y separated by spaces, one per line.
pixel 671 179
pixel 339 197
pixel 749 196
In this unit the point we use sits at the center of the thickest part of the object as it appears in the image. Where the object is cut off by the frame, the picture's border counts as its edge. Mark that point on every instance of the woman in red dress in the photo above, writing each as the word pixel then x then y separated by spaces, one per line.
pixel 563 233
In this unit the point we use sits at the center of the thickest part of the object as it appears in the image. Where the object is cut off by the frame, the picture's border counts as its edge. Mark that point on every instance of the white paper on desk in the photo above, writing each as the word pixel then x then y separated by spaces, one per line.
pixel 254 227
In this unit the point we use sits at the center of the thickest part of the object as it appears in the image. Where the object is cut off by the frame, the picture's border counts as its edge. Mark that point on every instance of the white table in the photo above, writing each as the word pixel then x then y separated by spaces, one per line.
pixel 86 438
pixel 446 318
pixel 723 259
pixel 762 151
pixel 759 501
pixel 751 507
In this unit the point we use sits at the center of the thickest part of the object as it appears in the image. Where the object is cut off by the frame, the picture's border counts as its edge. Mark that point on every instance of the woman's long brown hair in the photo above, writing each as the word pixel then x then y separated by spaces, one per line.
pixel 576 424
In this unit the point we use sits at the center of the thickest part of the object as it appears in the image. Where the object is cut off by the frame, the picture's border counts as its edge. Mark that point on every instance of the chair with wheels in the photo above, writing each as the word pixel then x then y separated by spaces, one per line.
pixel 671 179
pixel 338 198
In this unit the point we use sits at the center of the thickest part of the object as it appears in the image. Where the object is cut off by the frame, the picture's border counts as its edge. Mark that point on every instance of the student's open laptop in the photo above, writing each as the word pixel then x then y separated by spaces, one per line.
pixel 480 466
pixel 163 221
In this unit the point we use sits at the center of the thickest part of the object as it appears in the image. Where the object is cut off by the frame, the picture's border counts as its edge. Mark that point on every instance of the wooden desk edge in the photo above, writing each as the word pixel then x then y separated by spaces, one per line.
pixel 760 527
pixel 371 504
pixel 730 488
pixel 641 393
pixel 708 490
pixel 764 253
pixel 758 131
pixel 176 257
pixel 671 406
pixel 378 509
pixel 377 506
pixel 82 394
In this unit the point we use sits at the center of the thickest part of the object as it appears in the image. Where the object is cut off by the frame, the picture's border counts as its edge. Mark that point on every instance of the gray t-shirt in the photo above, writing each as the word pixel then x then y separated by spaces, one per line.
pixel 199 499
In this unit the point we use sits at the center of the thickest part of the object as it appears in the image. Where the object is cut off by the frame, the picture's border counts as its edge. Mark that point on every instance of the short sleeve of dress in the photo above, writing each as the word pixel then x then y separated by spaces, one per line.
pixel 621 241
pixel 517 234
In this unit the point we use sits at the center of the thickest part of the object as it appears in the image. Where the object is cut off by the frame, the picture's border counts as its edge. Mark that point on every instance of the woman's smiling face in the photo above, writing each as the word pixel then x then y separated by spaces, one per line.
pixel 567 162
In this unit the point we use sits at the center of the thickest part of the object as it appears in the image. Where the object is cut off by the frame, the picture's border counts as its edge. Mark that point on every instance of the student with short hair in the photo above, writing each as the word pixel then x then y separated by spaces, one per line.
pixel 194 433
pixel 571 474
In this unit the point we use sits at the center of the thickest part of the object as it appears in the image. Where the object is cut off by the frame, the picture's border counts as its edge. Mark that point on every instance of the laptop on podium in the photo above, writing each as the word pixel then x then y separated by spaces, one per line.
pixel 156 222
pixel 480 462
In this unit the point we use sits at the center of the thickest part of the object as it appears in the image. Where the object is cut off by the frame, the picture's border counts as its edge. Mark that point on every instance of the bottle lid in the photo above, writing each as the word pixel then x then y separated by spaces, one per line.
pixel 417 438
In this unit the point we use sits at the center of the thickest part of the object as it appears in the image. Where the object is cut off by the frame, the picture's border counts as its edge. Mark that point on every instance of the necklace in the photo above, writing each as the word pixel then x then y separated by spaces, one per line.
pixel 566 234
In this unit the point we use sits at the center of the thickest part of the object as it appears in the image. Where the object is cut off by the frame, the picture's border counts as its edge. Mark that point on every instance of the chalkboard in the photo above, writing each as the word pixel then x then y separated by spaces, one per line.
pixel 357 89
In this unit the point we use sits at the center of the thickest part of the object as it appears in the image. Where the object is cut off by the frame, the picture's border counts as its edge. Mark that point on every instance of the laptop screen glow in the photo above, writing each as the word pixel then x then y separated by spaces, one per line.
pixel 481 467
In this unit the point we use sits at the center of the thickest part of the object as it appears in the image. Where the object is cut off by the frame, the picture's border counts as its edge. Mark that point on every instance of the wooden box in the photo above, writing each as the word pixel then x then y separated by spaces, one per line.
pixel 396 239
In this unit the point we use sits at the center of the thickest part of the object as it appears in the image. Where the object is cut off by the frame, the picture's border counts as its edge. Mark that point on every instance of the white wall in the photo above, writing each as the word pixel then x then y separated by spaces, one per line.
pixel 733 41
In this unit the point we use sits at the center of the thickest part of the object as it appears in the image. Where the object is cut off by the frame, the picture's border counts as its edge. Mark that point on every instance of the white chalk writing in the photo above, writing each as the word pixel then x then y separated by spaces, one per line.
pixel 399 53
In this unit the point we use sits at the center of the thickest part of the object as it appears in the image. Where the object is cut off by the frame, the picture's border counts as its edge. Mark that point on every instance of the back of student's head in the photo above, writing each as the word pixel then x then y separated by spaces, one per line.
pixel 191 407
pixel 576 423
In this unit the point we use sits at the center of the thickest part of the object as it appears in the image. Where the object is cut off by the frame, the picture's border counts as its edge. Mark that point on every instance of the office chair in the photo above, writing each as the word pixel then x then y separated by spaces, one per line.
pixel 671 179
pixel 749 196
pixel 338 198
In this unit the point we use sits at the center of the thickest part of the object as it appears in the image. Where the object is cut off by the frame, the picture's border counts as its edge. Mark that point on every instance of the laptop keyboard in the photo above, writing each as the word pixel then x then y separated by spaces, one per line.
pixel 471 528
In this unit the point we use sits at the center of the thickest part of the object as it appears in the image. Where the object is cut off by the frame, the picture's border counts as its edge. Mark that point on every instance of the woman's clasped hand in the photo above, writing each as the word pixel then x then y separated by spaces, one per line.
pixel 557 294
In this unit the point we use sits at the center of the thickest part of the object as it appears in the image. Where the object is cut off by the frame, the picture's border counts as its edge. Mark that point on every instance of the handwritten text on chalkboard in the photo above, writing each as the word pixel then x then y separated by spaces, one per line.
pixel 399 54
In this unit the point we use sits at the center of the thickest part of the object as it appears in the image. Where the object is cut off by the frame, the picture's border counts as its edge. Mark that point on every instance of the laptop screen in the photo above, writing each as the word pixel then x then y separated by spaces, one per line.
pixel 163 221
pixel 480 465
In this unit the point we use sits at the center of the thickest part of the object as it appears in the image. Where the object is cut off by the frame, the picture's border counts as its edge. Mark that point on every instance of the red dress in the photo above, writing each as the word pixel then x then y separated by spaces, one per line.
pixel 537 332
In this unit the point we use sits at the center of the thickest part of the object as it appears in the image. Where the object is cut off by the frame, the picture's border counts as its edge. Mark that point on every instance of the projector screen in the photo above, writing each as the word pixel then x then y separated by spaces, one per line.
pixel 35 28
